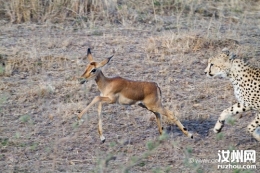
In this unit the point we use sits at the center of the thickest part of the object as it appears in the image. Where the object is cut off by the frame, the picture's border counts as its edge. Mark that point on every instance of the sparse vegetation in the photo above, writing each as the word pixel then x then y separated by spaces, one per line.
pixel 25 118
pixel 42 49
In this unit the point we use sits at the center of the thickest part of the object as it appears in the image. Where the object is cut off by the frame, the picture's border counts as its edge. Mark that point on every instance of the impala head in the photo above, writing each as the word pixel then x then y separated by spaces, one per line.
pixel 93 68
pixel 220 65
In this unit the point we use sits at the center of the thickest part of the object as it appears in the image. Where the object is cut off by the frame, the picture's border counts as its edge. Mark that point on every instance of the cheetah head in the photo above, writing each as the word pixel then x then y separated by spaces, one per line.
pixel 220 65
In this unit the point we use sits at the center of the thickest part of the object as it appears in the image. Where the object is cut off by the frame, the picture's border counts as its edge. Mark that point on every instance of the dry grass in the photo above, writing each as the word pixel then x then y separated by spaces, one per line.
pixel 42 48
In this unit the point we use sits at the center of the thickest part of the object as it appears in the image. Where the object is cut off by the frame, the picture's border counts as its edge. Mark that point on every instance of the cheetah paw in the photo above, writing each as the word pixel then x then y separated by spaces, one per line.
pixel 256 133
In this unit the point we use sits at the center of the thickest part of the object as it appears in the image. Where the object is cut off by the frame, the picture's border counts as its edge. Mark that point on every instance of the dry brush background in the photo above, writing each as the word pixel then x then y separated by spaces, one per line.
pixel 42 49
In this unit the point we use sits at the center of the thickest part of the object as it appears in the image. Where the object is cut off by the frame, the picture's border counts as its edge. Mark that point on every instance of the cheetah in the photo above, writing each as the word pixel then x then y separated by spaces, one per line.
pixel 246 83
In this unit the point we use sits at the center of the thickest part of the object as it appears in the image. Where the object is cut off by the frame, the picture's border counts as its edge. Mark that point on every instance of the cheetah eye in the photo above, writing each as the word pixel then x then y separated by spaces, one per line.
pixel 93 70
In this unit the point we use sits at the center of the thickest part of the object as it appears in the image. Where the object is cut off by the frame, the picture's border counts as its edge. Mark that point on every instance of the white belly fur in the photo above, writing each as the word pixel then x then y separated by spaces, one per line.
pixel 125 101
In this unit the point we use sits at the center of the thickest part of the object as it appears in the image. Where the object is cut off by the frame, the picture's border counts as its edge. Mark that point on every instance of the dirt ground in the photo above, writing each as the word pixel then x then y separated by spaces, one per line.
pixel 41 95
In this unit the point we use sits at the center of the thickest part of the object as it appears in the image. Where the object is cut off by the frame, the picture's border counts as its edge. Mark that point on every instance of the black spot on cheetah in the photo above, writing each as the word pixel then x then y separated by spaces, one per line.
pixel 184 129
pixel 237 112
pixel 218 130
pixel 222 122
pixel 244 109
pixel 256 122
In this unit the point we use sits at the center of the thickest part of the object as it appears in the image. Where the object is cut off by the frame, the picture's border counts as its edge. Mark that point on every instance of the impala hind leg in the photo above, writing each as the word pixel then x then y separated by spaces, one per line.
pixel 159 122
pixel 175 120
pixel 158 117
pixel 170 116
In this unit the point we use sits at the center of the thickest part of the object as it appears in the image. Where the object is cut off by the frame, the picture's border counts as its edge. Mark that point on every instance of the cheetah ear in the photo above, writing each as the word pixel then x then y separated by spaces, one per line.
pixel 225 51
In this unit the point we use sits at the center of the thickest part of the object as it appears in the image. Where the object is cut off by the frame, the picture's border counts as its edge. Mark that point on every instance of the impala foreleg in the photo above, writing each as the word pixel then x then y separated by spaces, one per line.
pixel 102 138
pixel 100 100
pixel 95 100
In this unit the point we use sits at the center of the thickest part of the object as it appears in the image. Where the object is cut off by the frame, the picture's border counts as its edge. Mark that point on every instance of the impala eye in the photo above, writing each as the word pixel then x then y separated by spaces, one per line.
pixel 93 70
pixel 211 65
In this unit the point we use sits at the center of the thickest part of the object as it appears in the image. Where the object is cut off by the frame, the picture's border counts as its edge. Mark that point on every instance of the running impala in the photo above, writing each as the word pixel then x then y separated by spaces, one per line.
pixel 126 92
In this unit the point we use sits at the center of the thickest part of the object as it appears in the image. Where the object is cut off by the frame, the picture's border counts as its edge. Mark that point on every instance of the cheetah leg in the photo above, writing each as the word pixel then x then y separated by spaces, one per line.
pixel 235 109
pixel 254 127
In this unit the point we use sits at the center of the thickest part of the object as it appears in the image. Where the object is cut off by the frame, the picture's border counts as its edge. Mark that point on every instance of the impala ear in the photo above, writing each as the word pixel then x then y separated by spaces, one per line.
pixel 95 64
pixel 225 51
pixel 104 62
pixel 89 56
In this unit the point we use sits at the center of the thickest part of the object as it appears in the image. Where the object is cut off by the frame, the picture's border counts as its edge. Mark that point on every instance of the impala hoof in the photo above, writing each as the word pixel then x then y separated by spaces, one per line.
pixel 103 139
pixel 82 82
pixel 79 122
pixel 79 119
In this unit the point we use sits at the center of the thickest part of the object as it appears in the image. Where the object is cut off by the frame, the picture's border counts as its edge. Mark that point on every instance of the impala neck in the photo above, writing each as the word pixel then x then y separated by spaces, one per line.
pixel 101 80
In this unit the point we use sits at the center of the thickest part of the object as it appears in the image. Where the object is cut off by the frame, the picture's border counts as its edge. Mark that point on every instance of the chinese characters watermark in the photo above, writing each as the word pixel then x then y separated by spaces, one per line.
pixel 229 159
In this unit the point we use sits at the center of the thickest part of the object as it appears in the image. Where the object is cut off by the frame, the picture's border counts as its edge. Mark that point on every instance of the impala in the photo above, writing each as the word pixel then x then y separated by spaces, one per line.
pixel 126 92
